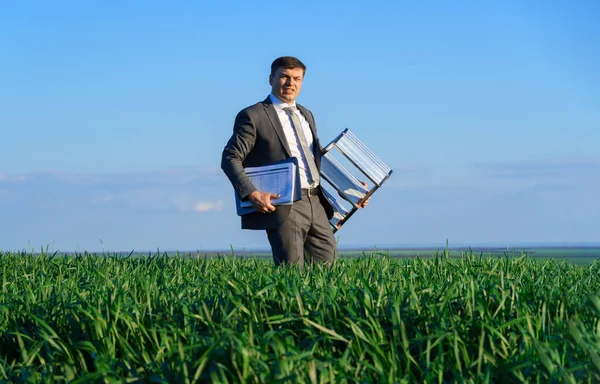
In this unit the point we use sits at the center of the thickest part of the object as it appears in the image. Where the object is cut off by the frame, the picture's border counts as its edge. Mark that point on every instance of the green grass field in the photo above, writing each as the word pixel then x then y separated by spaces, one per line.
pixel 576 255
pixel 375 318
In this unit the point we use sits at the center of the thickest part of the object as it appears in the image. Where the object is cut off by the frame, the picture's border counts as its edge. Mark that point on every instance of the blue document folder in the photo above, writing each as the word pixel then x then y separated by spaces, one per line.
pixel 280 177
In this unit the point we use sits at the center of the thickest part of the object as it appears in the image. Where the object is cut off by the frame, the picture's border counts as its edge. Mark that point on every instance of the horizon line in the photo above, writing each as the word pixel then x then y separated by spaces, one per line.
pixel 350 247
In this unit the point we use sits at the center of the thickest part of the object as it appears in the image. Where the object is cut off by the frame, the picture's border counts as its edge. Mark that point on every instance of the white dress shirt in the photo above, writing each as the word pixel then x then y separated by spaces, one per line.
pixel 292 139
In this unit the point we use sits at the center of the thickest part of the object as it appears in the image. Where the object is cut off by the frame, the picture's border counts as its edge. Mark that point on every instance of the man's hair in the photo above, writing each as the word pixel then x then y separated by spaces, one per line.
pixel 287 62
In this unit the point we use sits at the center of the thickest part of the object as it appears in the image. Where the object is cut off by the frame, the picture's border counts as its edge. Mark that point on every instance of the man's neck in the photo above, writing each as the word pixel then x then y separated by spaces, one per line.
pixel 277 100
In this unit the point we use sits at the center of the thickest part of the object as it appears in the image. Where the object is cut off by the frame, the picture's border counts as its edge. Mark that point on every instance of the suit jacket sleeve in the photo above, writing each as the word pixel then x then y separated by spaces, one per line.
pixel 239 145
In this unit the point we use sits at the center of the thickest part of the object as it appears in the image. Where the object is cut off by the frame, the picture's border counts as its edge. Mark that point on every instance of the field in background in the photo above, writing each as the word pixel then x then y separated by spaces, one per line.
pixel 576 255
pixel 230 319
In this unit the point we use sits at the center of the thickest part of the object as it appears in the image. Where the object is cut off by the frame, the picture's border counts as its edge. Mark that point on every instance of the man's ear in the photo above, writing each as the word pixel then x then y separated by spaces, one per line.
pixel 270 79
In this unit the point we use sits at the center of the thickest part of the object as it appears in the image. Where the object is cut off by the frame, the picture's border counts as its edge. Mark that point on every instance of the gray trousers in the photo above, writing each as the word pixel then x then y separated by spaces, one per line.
pixel 305 236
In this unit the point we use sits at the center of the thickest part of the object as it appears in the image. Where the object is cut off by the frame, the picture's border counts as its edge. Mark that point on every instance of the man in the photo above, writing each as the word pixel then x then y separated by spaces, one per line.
pixel 273 130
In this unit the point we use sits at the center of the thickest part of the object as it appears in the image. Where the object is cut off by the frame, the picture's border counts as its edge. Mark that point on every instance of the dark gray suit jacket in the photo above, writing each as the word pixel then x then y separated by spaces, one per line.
pixel 258 139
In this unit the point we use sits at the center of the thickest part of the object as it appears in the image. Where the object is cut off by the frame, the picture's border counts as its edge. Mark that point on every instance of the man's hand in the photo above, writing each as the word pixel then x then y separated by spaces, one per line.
pixel 363 204
pixel 261 201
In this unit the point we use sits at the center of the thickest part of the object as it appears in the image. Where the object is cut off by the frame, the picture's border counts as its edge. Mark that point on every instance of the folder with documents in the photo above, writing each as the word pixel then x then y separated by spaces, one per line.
pixel 281 178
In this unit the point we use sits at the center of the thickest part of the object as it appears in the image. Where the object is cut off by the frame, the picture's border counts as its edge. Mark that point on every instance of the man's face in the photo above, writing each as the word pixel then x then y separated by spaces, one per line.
pixel 286 83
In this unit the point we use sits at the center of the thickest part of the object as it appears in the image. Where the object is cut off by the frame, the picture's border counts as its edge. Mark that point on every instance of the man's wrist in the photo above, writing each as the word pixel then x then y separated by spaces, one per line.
pixel 253 196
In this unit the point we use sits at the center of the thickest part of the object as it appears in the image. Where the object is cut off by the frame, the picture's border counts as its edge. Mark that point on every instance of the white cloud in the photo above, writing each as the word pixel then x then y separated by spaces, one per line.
pixel 540 168
pixel 191 205
pixel 107 197
pixel 208 206
pixel 183 190
pixel 172 176
pixel 12 178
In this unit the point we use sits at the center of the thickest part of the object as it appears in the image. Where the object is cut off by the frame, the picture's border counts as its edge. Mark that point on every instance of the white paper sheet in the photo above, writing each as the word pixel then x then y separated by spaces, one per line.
pixel 278 179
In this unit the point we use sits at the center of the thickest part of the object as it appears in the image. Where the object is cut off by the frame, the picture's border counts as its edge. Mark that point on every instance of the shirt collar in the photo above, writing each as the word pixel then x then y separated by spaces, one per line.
pixel 278 104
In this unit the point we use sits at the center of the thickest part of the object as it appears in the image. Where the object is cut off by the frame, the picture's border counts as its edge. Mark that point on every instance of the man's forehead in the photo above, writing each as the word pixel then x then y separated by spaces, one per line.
pixel 291 71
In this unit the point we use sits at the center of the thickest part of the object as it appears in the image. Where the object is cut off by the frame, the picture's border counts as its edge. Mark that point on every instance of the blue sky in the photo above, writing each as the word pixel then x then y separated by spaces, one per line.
pixel 113 116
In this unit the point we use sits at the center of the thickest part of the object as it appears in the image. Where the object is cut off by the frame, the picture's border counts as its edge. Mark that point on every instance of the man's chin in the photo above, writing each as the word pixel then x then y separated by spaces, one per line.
pixel 286 98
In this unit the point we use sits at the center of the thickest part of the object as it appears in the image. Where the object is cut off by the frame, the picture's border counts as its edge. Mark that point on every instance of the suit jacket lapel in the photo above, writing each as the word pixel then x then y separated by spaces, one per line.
pixel 276 124
pixel 308 118
pixel 316 146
